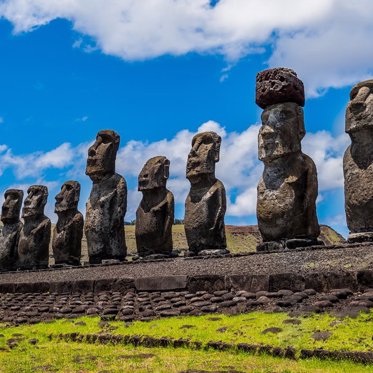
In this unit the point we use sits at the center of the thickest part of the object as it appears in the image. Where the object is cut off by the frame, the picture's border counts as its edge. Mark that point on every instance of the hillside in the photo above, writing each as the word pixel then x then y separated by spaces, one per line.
pixel 240 239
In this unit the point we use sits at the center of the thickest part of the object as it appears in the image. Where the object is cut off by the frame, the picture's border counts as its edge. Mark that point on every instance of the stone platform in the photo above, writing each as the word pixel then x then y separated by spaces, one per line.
pixel 316 279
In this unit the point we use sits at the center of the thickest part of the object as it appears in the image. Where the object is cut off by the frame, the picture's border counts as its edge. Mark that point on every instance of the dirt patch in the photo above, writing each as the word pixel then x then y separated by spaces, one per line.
pixel 187 326
pixel 222 330
pixel 321 336
pixel 272 330
pixel 292 322
pixel 136 356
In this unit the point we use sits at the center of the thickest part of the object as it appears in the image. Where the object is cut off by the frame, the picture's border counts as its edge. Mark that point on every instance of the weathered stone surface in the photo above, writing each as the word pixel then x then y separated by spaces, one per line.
pixel 161 283
pixel 205 205
pixel 107 203
pixel 10 232
pixel 155 215
pixel 287 190
pixel 33 246
pixel 358 163
pixel 68 232
pixel 274 86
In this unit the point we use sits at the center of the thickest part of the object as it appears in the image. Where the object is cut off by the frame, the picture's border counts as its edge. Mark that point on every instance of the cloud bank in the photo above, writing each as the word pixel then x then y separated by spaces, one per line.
pixel 328 42
pixel 239 168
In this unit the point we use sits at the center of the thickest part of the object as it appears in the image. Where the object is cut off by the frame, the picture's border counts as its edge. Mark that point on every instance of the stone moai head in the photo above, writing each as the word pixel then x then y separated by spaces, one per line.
pixel 203 155
pixel 359 112
pixel 154 174
pixel 11 206
pixel 281 132
pixel 281 94
pixel 102 155
pixel 68 198
pixel 35 201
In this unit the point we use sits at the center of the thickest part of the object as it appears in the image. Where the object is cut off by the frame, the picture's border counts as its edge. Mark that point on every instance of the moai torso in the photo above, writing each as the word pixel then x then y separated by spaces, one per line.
pixel 287 191
pixel 9 235
pixel 107 203
pixel 155 214
pixel 68 232
pixel 283 208
pixel 205 205
pixel 358 163
pixel 33 247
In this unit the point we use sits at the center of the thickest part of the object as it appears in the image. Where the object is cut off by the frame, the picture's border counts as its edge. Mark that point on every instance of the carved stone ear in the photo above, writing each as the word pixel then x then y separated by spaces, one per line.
pixel 217 149
pixel 166 167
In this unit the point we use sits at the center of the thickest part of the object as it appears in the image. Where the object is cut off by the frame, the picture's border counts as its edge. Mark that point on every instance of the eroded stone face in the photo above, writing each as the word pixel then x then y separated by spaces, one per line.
pixel 102 155
pixel 68 232
pixel 274 86
pixel 287 191
pixel 9 236
pixel 33 247
pixel 205 205
pixel 203 155
pixel 155 214
pixel 107 203
pixel 12 206
pixel 358 163
pixel 281 132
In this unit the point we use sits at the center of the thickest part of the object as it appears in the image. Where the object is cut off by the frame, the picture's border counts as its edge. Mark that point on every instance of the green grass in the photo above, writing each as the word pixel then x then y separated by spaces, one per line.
pixel 349 334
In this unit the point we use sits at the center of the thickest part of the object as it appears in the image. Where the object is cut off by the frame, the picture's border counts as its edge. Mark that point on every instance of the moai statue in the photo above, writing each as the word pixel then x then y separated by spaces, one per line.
pixel 68 232
pixel 33 246
pixel 107 203
pixel 155 215
pixel 12 226
pixel 358 163
pixel 287 190
pixel 206 202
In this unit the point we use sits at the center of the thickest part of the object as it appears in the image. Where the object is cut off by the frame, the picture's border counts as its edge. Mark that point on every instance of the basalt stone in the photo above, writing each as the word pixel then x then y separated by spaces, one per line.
pixel 12 226
pixel 358 163
pixel 33 246
pixel 205 205
pixel 107 203
pixel 68 232
pixel 155 215
pixel 274 86
pixel 287 190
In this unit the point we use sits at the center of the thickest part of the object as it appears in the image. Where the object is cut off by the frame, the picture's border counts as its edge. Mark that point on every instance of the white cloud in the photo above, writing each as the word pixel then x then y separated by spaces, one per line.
pixel 238 168
pixel 1 120
pixel 328 42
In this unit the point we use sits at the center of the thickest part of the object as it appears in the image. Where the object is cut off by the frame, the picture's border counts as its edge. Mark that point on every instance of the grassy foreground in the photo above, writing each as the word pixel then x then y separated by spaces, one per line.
pixel 29 348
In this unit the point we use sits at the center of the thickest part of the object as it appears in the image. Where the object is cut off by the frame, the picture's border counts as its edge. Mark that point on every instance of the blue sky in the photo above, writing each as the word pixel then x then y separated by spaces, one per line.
pixel 68 70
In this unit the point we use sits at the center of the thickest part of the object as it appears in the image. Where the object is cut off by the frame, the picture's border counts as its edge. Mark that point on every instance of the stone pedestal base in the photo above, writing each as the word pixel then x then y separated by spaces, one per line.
pixel 208 252
pixel 173 254
pixel 293 243
pixel 360 237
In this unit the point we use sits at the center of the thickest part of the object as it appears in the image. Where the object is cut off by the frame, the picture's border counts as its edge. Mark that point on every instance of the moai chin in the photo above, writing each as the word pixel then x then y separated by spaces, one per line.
pixel 155 214
pixel 12 226
pixel 205 205
pixel 107 203
pixel 358 163
pixel 33 246
pixel 287 190
pixel 68 232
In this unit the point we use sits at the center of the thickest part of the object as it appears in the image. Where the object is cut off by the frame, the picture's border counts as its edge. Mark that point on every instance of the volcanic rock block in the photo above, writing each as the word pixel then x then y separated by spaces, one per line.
pixel 33 246
pixel 68 232
pixel 205 205
pixel 9 235
pixel 274 86
pixel 358 163
pixel 107 203
pixel 155 214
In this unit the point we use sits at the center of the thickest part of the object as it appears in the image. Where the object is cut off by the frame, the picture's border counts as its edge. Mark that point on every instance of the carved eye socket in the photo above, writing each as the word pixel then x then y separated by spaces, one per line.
pixel 106 139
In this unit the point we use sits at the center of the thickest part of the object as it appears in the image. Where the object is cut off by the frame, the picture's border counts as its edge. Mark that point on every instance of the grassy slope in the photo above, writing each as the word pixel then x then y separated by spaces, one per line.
pixel 346 334
pixel 239 239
